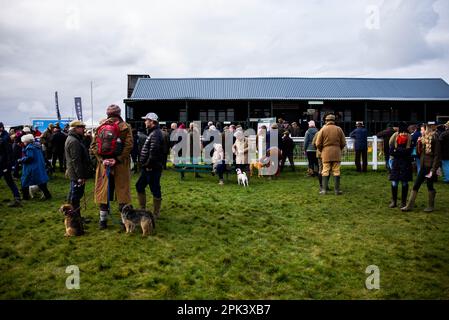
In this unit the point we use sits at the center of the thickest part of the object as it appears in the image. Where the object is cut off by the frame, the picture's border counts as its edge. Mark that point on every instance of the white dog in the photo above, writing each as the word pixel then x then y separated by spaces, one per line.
pixel 35 192
pixel 242 179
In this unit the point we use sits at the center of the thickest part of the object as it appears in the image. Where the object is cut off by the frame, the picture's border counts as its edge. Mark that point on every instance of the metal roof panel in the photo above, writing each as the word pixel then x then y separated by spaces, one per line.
pixel 290 89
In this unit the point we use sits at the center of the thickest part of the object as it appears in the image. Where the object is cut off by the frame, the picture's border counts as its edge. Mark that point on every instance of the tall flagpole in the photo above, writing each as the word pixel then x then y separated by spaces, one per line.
pixel 92 103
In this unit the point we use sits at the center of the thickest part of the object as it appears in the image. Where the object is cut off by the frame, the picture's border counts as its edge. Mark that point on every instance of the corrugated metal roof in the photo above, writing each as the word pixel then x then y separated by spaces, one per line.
pixel 290 89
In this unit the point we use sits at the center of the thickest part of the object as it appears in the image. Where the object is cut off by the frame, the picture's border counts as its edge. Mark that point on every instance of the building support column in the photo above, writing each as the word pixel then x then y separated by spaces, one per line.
pixel 187 112
pixel 425 112
pixel 249 114
pixel 366 113
pixel 271 111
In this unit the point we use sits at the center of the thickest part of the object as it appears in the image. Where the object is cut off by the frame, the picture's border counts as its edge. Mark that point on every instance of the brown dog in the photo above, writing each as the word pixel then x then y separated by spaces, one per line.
pixel 255 165
pixel 132 217
pixel 72 221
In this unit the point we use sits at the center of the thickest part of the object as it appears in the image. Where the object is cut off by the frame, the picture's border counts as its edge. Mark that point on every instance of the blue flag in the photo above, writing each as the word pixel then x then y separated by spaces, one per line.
pixel 78 108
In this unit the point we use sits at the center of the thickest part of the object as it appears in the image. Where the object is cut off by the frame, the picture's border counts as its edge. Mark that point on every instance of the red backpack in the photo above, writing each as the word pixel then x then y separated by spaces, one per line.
pixel 108 138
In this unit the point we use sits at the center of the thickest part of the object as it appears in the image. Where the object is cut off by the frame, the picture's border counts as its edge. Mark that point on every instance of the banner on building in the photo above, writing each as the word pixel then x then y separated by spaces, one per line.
pixel 78 108
pixel 58 114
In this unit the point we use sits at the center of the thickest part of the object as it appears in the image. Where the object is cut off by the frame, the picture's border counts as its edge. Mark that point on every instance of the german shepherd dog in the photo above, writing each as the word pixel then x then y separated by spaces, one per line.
pixel 131 217
pixel 72 221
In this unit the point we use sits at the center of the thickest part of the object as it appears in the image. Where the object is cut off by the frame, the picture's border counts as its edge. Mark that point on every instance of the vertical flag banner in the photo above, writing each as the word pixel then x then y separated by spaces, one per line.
pixel 78 108
pixel 58 114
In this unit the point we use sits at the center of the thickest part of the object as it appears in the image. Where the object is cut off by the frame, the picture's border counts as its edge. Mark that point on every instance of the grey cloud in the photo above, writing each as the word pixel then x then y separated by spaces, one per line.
pixel 401 39
pixel 63 45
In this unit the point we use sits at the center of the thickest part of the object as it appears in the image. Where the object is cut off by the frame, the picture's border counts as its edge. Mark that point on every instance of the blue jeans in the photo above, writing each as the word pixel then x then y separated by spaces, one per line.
pixel 445 167
pixel 76 193
pixel 418 165
pixel 151 178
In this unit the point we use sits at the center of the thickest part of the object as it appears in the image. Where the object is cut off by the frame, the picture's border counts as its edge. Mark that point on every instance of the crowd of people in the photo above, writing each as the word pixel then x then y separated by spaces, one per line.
pixel 114 150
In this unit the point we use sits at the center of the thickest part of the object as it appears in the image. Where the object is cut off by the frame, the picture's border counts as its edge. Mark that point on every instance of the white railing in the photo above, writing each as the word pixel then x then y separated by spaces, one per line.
pixel 375 152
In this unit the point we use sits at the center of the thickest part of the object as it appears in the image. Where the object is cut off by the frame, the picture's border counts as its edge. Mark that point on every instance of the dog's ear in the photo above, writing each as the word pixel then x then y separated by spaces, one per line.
pixel 66 209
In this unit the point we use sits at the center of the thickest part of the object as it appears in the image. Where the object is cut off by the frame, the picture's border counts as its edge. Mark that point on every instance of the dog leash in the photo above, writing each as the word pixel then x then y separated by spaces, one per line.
pixel 108 174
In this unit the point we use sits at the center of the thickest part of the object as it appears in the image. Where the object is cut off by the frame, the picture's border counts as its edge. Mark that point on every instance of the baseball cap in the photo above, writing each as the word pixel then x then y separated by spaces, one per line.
pixel 151 116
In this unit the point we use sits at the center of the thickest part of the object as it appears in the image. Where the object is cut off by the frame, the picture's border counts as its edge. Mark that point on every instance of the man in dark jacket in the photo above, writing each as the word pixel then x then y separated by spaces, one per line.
pixel 58 141
pixel 150 159
pixel 360 136
pixel 78 162
pixel 287 150
pixel 6 161
pixel 444 143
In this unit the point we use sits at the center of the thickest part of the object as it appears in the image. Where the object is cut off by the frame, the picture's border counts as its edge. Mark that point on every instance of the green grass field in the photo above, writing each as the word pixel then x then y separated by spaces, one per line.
pixel 276 240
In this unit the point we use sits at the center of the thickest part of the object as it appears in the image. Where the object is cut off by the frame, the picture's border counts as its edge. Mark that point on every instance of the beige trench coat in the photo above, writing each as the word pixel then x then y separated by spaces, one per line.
pixel 330 142
pixel 120 172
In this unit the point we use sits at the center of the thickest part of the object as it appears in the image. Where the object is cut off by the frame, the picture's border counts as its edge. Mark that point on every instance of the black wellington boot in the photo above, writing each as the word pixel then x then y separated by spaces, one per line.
pixel 404 196
pixel 394 197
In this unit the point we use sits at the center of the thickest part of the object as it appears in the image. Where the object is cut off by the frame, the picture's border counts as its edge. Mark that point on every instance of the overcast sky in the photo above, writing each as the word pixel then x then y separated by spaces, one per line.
pixel 48 46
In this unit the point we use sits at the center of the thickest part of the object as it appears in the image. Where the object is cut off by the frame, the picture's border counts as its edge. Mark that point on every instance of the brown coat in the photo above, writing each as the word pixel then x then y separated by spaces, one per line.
pixel 330 142
pixel 121 171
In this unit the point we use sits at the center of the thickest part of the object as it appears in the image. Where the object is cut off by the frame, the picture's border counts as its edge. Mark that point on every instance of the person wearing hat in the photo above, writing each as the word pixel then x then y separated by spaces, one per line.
pixel 330 142
pixel 6 163
pixel 117 165
pixel 240 149
pixel 444 141
pixel 26 130
pixel 151 158
pixel 310 149
pixel 430 150
pixel 401 165
pixel 33 172
pixel 78 162
pixel 360 136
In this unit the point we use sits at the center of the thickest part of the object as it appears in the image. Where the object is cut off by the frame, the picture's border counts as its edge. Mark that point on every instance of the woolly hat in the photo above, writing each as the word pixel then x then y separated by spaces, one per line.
pixel 29 138
pixel 113 111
